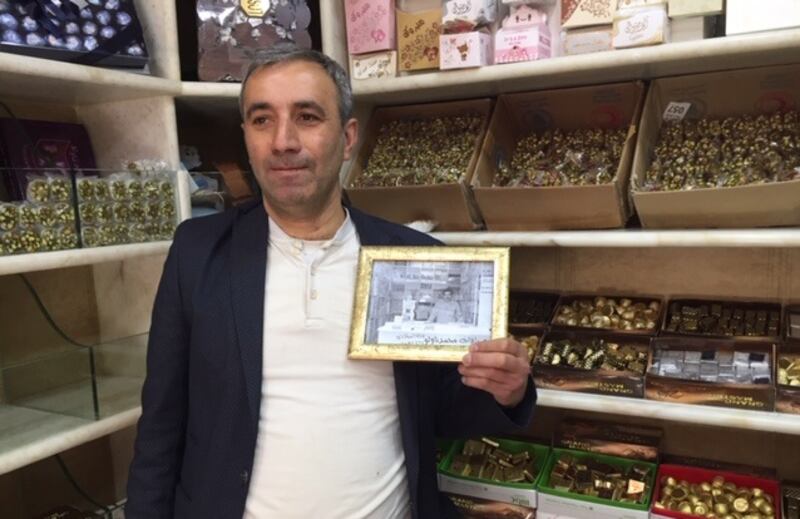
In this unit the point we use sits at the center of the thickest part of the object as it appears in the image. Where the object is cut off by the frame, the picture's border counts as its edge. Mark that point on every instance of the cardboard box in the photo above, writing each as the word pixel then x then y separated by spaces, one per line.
pixel 760 90
pixel 585 13
pixel 563 207
pixel 418 39
pixel 683 8
pixel 726 306
pixel 639 27
pixel 372 66
pixel 590 39
pixel 630 441
pixel 370 25
pixel 743 16
pixel 449 205
pixel 476 508
pixel 568 299
pixel 524 44
pixel 523 494
pixel 558 504
pixel 753 397
pixel 465 50
pixel 466 15
pixel 695 476
pixel 593 381
pixel 692 28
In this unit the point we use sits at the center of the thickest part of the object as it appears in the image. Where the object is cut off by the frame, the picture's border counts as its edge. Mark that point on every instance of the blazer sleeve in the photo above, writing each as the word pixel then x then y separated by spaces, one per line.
pixel 158 450
pixel 467 412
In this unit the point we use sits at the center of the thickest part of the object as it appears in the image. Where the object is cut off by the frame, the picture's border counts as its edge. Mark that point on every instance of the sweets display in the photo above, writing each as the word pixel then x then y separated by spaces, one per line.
pixel 126 208
pixel 791 502
pixel 588 476
pixel 609 313
pixel 730 367
pixel 734 151
pixel 789 370
pixel 530 308
pixel 90 31
pixel 485 459
pixel 590 353
pixel 724 319
pixel 422 151
pixel 564 158
pixel 231 33
pixel 715 498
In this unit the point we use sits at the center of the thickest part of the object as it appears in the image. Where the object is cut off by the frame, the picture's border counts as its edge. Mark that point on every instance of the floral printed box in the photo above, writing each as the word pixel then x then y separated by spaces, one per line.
pixel 370 25
pixel 467 49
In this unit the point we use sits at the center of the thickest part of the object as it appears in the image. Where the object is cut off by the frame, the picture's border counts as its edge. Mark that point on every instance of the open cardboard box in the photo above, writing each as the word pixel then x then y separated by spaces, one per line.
pixel 449 205
pixel 757 91
pixel 560 207
pixel 787 398
pixel 753 397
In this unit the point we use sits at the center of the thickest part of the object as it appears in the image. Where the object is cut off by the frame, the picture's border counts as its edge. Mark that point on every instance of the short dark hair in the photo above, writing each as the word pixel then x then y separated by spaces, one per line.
pixel 288 52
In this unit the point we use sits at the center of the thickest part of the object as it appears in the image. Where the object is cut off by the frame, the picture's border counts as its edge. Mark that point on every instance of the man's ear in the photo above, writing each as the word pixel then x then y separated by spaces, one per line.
pixel 350 137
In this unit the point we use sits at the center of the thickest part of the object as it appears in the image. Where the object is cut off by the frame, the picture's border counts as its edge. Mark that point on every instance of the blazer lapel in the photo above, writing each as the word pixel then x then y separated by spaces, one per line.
pixel 248 271
pixel 405 373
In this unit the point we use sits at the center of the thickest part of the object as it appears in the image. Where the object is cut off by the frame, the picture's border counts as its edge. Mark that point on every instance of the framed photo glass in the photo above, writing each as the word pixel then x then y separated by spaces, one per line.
pixel 428 303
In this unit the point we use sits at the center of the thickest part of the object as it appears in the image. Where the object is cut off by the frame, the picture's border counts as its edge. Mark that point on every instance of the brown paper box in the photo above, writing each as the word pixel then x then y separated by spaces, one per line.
pixel 418 39
pixel 595 381
pixel 449 205
pixel 614 439
pixel 761 90
pixel 751 397
pixel 564 207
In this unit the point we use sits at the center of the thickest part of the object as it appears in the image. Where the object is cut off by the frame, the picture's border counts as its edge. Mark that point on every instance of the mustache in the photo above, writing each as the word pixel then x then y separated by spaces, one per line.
pixel 296 163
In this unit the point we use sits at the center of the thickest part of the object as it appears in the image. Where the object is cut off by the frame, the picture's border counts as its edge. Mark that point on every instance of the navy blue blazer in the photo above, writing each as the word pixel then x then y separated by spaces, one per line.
pixel 201 399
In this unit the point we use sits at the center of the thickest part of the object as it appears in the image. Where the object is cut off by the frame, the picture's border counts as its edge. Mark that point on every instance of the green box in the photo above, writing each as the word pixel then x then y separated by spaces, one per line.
pixel 614 461
pixel 516 493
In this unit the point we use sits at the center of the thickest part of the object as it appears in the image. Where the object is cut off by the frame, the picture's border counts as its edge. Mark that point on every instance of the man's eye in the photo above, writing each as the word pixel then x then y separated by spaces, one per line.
pixel 259 120
pixel 308 118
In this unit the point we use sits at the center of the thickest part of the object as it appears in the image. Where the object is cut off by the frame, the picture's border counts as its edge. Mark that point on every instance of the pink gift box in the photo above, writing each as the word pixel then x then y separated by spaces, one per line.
pixel 466 49
pixel 370 25
pixel 523 44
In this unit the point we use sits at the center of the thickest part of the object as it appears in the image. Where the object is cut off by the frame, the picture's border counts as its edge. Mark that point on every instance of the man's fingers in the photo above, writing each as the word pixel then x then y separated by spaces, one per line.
pixel 505 345
pixel 503 394
pixel 501 361
pixel 502 378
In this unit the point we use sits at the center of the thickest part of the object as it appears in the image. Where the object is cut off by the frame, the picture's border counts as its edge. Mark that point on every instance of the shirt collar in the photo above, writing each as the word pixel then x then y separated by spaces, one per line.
pixel 278 236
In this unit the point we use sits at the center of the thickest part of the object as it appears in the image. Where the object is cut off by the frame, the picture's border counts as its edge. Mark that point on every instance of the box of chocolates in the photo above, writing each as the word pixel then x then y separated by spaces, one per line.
pixel 467 15
pixel 630 441
pixel 641 26
pixel 709 155
pixel 465 50
pixel 583 485
pixel 523 36
pixel 476 508
pixel 585 13
pixel 529 309
pixel 372 66
pixel 87 32
pixel 417 162
pixel 559 159
pixel 418 39
pixel 715 372
pixel 632 315
pixel 685 492
pixel 787 377
pixel 791 500
pixel 741 320
pixel 586 40
pixel 495 469
pixel 370 25
pixel 599 363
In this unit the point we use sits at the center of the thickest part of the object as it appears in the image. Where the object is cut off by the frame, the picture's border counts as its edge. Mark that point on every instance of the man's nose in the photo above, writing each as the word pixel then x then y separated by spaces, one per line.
pixel 286 138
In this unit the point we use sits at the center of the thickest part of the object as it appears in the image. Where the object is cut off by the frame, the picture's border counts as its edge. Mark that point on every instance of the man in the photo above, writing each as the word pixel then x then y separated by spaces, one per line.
pixel 445 310
pixel 251 408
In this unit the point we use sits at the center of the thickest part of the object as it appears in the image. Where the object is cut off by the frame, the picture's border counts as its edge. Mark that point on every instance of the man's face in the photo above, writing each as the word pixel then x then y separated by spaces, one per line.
pixel 447 295
pixel 294 137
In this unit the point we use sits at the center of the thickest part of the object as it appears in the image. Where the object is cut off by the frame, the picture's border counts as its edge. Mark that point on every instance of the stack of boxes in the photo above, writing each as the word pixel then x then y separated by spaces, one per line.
pixel 371 38
pixel 586 25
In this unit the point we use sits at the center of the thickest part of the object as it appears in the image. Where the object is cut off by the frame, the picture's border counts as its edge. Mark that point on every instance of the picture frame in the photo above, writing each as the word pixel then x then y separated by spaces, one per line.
pixel 428 303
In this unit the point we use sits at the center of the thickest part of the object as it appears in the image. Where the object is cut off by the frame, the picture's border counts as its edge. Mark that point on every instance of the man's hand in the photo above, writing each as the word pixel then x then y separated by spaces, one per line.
pixel 500 367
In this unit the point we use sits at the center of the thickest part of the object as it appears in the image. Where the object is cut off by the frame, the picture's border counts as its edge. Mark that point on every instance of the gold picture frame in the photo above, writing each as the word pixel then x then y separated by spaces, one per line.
pixel 428 303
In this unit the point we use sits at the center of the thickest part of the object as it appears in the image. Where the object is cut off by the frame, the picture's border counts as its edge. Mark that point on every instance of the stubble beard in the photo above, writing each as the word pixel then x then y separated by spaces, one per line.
pixel 300 205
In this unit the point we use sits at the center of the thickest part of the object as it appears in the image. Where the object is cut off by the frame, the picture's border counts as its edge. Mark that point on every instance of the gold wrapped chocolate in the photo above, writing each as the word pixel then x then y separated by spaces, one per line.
pixel 733 151
pixel 422 151
pixel 718 498
pixel 610 313
pixel 591 477
pixel 564 158
pixel 590 353
pixel 485 459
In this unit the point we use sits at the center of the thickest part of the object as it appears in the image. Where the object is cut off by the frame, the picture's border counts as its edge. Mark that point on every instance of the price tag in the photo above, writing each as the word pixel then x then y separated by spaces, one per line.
pixel 676 111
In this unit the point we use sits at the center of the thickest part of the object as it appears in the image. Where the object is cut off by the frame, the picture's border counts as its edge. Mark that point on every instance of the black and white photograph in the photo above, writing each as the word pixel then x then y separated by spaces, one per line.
pixel 430 302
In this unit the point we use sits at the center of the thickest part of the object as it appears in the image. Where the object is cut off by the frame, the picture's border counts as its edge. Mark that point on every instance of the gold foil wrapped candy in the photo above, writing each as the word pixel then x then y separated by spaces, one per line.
pixel 590 477
pixel 485 459
pixel 718 499
pixel 733 151
pixel 610 313
pixel 38 190
pixel 593 353
pixel 564 158
pixel 789 370
pixel 422 151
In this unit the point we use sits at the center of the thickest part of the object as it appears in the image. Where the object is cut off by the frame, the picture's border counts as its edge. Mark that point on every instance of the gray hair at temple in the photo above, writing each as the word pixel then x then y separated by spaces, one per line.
pixel 288 52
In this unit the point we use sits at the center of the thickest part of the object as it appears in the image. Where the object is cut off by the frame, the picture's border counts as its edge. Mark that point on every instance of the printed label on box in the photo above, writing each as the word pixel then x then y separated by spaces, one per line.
pixel 584 13
pixel 371 66
pixel 468 13
pixel 485 490
pixel 556 507
pixel 646 26
pixel 676 111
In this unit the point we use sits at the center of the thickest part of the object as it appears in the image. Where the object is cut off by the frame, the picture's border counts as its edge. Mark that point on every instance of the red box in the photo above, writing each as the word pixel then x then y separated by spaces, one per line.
pixel 696 475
